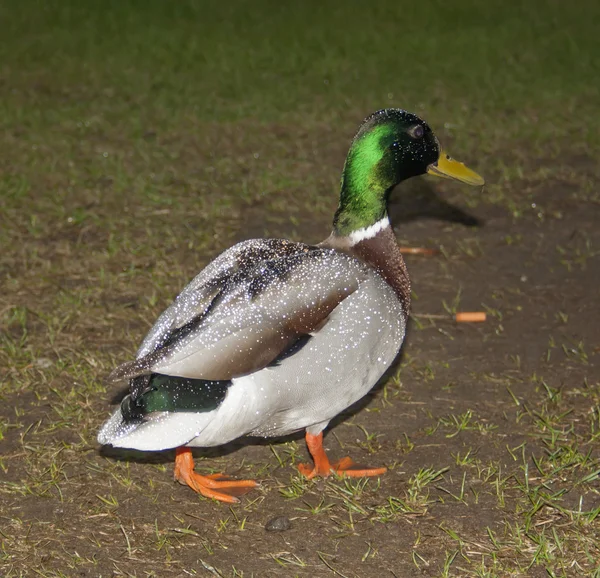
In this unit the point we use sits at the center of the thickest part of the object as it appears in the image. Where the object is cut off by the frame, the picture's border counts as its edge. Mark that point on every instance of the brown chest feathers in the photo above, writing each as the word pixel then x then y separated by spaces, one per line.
pixel 383 254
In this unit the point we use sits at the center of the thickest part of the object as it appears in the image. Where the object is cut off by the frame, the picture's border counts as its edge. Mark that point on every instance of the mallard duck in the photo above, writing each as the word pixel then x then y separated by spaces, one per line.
pixel 275 336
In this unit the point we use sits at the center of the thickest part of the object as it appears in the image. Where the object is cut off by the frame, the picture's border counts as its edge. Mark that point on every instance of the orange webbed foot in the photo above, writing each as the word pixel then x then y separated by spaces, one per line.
pixel 348 467
pixel 215 486
pixel 322 467
pixel 309 471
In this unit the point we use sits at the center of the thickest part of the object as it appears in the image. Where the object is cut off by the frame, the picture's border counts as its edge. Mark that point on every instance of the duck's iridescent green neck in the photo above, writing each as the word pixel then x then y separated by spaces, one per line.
pixel 365 186
pixel 391 145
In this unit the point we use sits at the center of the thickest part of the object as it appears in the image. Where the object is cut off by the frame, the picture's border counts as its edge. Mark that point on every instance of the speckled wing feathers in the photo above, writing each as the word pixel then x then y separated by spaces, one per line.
pixel 245 310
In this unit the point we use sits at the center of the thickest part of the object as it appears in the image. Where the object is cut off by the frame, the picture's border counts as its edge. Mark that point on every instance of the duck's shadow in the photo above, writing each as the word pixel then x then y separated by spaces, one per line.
pixel 418 200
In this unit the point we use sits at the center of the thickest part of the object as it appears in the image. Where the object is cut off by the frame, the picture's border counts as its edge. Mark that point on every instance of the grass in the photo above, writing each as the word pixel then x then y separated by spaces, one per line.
pixel 140 139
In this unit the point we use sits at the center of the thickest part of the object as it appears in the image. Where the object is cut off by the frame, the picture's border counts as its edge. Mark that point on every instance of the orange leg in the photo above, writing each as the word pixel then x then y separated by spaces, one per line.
pixel 322 466
pixel 216 486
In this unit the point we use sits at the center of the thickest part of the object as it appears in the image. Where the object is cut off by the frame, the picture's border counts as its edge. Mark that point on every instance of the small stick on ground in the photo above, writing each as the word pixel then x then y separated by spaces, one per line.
pixel 460 317
pixel 418 251
pixel 470 317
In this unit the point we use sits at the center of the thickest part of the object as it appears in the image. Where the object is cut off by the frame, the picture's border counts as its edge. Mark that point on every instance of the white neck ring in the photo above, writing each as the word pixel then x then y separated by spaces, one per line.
pixel 368 232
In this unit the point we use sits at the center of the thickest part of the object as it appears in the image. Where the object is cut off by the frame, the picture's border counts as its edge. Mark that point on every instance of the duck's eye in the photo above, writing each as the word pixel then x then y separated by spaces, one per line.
pixel 416 131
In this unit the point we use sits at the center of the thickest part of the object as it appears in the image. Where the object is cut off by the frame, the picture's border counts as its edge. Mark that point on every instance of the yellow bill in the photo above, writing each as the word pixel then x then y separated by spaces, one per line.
pixel 448 168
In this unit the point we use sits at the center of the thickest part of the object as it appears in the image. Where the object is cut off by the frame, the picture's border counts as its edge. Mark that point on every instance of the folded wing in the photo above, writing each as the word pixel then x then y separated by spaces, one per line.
pixel 250 306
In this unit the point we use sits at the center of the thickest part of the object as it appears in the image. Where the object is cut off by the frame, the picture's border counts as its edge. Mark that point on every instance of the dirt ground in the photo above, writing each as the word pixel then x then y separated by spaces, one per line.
pixel 138 140
pixel 490 431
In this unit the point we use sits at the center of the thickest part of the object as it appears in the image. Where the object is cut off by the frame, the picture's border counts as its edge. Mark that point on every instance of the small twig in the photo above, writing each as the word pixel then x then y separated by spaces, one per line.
pixel 210 568
pixel 126 539
pixel 460 317
pixel 418 251
pixel 336 572
pixel 470 317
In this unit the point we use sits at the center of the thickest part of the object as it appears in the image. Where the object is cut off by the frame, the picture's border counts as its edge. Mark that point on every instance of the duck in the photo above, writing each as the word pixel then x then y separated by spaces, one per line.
pixel 275 336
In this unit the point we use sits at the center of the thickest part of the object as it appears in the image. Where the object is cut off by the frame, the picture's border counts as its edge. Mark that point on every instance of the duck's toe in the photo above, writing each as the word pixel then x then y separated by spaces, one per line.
pixel 348 467
pixel 215 486
pixel 309 471
pixel 322 467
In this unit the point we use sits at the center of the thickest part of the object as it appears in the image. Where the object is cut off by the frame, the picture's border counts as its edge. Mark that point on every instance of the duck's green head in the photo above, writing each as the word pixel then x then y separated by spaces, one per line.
pixel 391 146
